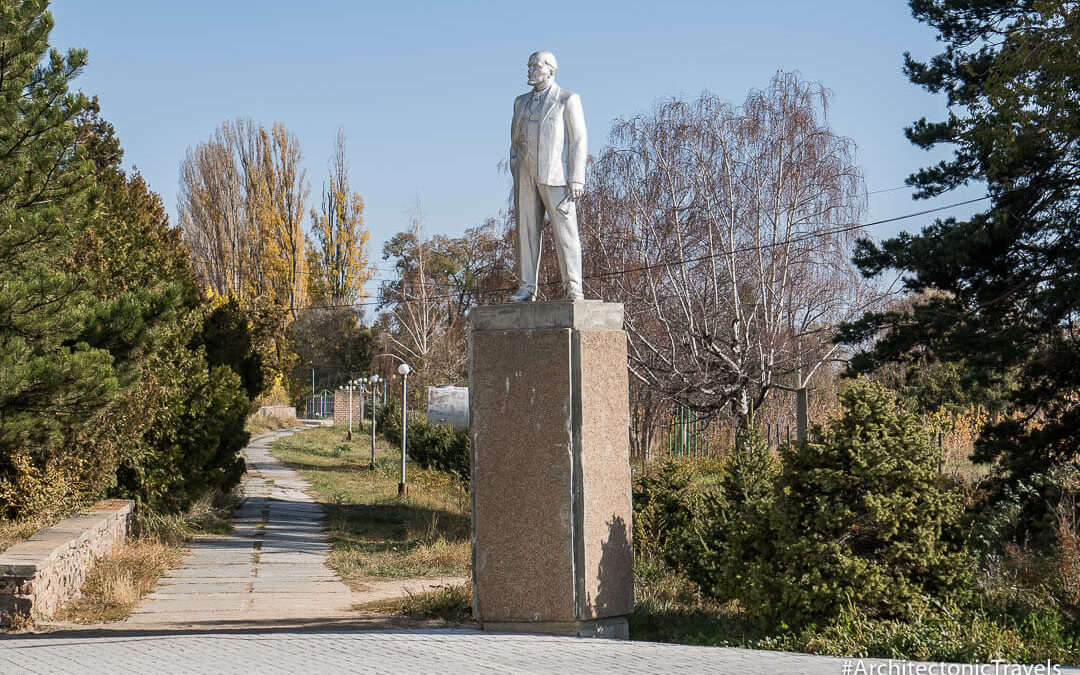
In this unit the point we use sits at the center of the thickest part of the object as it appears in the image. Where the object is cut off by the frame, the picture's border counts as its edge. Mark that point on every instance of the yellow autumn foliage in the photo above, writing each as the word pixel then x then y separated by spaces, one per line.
pixel 337 261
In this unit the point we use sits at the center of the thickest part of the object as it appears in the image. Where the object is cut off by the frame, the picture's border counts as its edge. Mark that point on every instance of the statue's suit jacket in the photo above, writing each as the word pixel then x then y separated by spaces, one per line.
pixel 562 151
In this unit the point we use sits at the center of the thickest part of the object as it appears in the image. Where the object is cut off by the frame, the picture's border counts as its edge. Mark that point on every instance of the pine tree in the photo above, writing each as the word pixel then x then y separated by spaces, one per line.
pixel 51 376
pixel 1000 290
pixel 187 367
pixel 861 519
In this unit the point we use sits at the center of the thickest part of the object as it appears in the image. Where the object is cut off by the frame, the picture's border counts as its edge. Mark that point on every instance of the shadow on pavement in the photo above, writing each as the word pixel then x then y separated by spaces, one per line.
pixel 365 623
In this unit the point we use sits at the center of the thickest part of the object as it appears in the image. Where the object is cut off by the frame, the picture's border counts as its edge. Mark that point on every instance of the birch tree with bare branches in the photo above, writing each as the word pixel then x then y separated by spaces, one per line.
pixel 727 232
pixel 417 307
pixel 439 279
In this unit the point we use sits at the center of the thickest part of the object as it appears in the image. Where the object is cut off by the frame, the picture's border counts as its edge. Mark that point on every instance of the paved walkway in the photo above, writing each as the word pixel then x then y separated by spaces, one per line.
pixel 413 652
pixel 261 600
pixel 271 567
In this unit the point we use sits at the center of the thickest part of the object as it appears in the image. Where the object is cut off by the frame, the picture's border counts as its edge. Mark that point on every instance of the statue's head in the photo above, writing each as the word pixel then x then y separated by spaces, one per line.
pixel 542 68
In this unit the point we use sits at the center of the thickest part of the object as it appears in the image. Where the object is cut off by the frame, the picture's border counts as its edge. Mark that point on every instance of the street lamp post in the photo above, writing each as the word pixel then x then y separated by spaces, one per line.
pixel 404 370
pixel 374 380
pixel 353 384
pixel 349 436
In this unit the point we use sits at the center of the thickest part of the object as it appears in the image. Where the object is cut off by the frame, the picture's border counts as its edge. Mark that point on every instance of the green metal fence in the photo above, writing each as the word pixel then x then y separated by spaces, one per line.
pixel 686 434
pixel 320 406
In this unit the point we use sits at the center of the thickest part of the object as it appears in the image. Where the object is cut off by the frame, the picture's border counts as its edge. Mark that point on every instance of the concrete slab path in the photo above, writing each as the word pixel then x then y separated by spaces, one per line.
pixel 271 567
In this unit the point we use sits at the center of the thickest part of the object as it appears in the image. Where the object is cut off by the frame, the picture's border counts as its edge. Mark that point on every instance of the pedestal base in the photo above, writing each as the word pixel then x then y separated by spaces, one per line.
pixel 549 402
pixel 617 628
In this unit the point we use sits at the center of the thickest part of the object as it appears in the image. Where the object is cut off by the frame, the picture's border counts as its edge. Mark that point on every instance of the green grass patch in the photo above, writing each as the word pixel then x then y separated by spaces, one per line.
pixel 374 533
pixel 670 608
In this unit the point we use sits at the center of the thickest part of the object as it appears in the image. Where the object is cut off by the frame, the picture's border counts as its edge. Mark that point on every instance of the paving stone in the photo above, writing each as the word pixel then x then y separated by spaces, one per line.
pixel 207 583
pixel 277 652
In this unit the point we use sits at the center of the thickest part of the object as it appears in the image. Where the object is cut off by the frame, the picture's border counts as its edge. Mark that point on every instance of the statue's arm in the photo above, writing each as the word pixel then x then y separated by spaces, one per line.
pixel 577 139
pixel 513 125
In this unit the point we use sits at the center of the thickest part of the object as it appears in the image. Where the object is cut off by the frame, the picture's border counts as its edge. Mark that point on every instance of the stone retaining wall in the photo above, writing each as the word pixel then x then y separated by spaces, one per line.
pixel 42 574
pixel 281 415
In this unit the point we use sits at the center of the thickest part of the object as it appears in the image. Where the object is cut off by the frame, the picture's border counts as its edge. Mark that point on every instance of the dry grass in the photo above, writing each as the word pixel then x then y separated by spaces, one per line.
pixel 14 531
pixel 440 554
pixel 210 514
pixel 119 581
pixel 260 424
pixel 275 395
pixel 374 533
pixel 452 603
pixel 18 623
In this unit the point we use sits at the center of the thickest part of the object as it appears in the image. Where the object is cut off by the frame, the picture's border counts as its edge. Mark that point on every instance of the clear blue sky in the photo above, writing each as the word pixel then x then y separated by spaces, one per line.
pixel 424 89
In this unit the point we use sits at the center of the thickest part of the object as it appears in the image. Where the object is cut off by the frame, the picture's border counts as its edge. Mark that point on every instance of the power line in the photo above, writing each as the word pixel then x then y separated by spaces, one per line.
pixel 388 266
pixel 796 240
pixel 642 268
pixel 923 213
pixel 893 189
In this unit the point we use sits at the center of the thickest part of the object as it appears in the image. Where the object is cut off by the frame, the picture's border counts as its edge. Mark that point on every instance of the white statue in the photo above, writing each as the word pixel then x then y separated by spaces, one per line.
pixel 547 160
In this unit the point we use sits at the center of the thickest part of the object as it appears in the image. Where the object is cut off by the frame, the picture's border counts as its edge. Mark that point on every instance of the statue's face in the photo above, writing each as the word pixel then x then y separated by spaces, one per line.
pixel 540 74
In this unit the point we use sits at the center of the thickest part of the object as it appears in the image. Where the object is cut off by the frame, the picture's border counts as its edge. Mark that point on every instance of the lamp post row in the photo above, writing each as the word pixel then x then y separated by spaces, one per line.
pixel 374 380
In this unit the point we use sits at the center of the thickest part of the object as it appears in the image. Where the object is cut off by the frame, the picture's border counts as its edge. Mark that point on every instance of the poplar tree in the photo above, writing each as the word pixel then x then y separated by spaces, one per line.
pixel 243 195
pixel 338 267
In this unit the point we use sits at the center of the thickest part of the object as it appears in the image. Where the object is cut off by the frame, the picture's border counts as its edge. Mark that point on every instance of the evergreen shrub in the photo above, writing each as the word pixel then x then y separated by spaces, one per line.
pixel 858 520
pixel 432 446
pixel 670 516
pixel 863 520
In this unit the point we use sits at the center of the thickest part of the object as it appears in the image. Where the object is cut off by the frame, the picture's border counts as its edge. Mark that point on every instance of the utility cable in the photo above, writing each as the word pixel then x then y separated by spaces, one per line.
pixel 665 263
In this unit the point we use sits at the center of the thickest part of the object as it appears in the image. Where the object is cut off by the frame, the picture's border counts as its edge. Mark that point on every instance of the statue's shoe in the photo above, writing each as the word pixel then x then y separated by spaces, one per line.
pixel 524 294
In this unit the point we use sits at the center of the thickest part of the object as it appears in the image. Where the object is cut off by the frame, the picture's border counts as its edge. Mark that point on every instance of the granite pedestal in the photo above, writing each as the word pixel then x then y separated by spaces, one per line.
pixel 549 402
